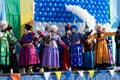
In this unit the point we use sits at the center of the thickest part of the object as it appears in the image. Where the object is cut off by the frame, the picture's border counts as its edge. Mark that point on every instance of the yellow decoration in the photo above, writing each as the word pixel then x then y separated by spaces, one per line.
pixel 58 74
pixel 15 76
pixel 91 73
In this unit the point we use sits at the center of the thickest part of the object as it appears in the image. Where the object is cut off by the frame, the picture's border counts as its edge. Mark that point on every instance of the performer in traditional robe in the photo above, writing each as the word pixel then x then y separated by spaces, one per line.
pixel 28 54
pixel 102 59
pixel 4 46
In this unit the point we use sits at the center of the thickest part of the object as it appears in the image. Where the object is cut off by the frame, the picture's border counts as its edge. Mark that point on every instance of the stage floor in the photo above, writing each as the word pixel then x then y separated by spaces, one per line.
pixel 68 75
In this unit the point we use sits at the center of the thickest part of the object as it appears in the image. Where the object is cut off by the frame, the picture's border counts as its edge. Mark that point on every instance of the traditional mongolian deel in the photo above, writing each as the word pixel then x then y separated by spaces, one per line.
pixel 28 54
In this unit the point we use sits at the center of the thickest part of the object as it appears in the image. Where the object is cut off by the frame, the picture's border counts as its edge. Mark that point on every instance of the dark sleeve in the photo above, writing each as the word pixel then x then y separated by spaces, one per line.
pixel 34 38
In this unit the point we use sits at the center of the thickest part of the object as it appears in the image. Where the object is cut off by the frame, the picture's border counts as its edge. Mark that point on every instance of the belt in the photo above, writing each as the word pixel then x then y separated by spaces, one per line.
pixel 3 38
pixel 26 44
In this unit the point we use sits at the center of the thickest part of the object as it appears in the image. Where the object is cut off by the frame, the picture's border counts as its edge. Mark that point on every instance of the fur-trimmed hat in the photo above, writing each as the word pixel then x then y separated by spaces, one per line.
pixel 74 26
pixel 67 27
pixel 4 24
pixel 9 27
pixel 28 27
pixel 87 29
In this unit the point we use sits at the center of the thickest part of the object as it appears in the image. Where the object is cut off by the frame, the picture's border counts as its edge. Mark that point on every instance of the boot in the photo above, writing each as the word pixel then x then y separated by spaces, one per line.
pixel 11 70
pixel 23 70
pixel 41 70
pixel 70 69
pixel 30 69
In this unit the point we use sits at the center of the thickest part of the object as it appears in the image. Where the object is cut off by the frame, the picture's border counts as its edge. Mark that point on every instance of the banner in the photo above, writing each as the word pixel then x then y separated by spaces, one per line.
pixel 91 73
pixel 47 74
pixel 68 73
pixel 112 72
pixel 58 74
pixel 26 11
pixel 102 71
pixel 15 76
pixel 81 73
pixel 13 15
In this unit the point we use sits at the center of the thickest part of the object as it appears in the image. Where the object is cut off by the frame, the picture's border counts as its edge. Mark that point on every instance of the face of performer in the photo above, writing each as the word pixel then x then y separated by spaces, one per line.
pixel 73 30
pixel 54 30
pixel 68 32
pixel 25 30
pixel 104 30
pixel 2 26
pixel 10 31
pixel 99 29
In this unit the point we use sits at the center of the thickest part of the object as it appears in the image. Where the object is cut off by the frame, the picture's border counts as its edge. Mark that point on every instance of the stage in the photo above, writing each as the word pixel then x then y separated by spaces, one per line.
pixel 68 75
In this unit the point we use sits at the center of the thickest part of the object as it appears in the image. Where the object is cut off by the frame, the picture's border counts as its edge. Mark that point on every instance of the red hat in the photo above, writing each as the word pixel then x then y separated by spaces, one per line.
pixel 67 27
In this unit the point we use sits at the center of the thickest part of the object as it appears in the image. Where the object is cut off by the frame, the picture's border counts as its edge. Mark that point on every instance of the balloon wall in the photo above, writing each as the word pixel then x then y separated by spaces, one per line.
pixel 55 10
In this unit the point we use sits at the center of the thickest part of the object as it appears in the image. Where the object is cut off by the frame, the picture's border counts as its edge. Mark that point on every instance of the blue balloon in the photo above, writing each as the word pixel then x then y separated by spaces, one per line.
pixel 37 10
pixel 62 19
pixel 64 14
pixel 36 18
pixel 47 9
pixel 69 14
pixel 42 18
pixel 88 6
pixel 92 6
pixel 83 6
pixel 49 4
pixel 52 0
pixel 36 14
pixel 61 10
pixel 47 19
pixel 40 13
pixel 36 1
pixel 94 11
pixel 56 19
pixel 71 19
pixel 54 14
pixel 66 20
pixel 57 9
pixel 52 19
pixel 42 9
pixel 52 9
pixel 91 2
pixel 59 14
pixel 99 11
pixel 44 4
pixel 94 2
pixel 44 14
pixel 99 3
pixel 59 4
pixel 54 4
pixel 49 14
pixel 102 16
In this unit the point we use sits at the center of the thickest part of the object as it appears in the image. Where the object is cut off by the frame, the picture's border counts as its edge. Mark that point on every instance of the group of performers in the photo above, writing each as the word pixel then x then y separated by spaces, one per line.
pixel 49 51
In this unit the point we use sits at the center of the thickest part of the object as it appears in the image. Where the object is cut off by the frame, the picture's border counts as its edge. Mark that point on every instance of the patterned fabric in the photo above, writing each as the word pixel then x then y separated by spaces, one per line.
pixel 76 55
pixel 101 49
pixel 76 50
pixel 4 47
pixel 28 54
